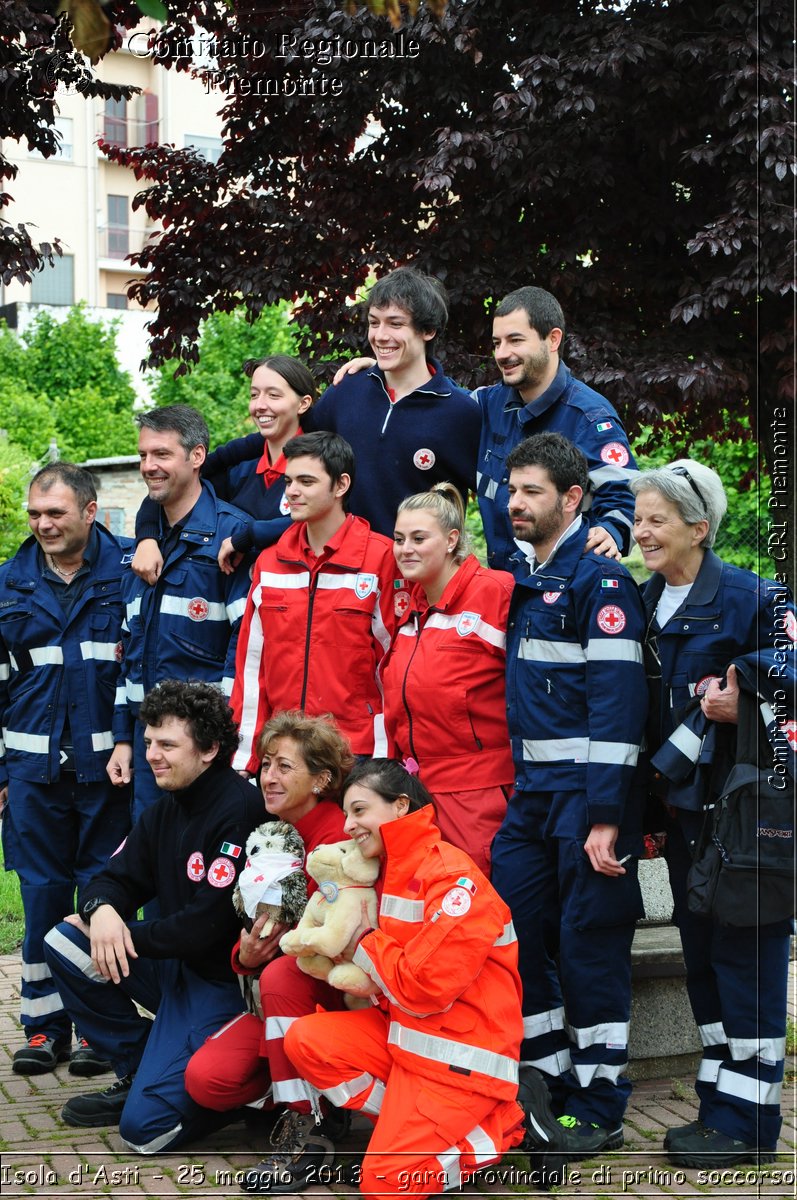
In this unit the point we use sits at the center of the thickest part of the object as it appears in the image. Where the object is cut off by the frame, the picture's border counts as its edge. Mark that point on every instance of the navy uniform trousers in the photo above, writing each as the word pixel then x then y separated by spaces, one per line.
pixel 737 979
pixel 56 836
pixel 158 1112
pixel 576 1019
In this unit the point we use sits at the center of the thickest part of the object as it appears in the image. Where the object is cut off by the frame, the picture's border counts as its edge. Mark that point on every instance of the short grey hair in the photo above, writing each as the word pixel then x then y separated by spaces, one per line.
pixel 694 489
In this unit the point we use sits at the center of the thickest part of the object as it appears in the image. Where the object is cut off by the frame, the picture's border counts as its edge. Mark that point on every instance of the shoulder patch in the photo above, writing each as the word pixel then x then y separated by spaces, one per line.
pixel 611 619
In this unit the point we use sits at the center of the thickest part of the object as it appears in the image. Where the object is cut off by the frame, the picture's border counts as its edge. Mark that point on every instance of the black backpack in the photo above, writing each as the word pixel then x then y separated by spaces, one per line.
pixel 744 870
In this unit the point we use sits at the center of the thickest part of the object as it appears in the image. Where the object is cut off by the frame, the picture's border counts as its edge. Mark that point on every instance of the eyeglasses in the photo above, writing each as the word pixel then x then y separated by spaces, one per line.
pixel 682 471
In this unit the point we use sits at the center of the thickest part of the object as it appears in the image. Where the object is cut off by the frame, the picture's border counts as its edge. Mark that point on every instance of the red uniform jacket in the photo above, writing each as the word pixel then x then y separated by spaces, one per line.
pixel 313 634
pixel 445 957
pixel 445 684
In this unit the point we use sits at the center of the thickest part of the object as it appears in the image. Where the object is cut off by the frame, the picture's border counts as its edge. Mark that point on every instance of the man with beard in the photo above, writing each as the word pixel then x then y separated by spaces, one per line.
pixel 539 393
pixel 564 859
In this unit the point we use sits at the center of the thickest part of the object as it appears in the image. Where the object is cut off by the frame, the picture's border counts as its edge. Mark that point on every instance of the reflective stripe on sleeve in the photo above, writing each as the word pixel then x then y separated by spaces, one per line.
pixel 555 749
pixel 614 650
pixel 400 908
pixel 105 651
pixel 177 606
pixel 541 650
pixel 102 741
pixel 31 742
pixel 619 754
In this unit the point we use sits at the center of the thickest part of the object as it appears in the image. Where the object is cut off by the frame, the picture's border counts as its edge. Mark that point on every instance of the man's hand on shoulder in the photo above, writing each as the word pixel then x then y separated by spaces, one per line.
pixel 600 541
pixel 111 943
pixel 351 368
pixel 147 560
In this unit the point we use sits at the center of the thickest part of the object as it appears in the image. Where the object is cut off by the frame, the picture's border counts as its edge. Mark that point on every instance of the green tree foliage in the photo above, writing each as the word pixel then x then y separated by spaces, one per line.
pixel 61 380
pixel 88 427
pixel 216 385
pixel 16 468
pixel 65 356
pixel 28 419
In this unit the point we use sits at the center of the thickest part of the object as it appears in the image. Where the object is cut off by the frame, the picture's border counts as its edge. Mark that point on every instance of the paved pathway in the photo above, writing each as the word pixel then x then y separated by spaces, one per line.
pixel 42 1157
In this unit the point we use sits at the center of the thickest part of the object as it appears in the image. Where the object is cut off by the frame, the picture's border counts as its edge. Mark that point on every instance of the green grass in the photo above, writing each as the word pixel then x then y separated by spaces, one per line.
pixel 791 1036
pixel 12 923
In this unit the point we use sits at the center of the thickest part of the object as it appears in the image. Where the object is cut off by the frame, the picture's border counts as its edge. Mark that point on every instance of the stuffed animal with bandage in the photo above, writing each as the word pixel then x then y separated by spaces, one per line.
pixel 334 913
pixel 273 880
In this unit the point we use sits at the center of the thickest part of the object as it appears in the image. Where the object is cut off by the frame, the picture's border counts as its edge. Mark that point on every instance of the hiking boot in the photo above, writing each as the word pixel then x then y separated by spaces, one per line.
pixel 41 1054
pixel 86 1061
pixel 581 1139
pixel 704 1147
pixel 98 1108
pixel 299 1151
pixel 678 1131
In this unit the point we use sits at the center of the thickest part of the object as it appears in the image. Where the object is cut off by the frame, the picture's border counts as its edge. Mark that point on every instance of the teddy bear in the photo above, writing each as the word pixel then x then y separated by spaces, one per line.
pixel 333 914
pixel 273 878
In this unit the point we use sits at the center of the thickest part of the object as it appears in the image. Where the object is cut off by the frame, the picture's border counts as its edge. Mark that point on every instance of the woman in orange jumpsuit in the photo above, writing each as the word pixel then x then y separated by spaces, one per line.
pixel 448 657
pixel 434 1060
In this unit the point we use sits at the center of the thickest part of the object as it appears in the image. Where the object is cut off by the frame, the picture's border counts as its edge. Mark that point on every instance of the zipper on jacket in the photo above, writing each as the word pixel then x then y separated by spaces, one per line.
pixel 404 689
pixel 310 603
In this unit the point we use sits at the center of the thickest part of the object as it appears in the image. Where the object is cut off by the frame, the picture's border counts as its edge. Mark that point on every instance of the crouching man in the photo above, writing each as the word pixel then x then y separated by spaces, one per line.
pixel 185 852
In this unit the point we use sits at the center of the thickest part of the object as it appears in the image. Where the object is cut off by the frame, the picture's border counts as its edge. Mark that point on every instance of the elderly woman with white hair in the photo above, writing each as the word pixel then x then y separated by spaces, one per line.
pixel 710 626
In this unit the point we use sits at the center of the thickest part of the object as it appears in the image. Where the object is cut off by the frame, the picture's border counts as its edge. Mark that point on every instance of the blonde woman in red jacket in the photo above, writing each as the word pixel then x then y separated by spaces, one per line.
pixel 433 1062
pixel 444 675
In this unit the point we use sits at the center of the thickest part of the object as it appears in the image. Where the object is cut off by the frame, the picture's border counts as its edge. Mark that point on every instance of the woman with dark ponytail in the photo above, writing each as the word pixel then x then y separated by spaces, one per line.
pixel 433 1060
pixel 444 675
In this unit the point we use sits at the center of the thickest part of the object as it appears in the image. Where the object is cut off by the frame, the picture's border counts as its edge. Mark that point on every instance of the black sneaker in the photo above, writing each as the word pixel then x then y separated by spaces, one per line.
pixel 299 1151
pixel 704 1147
pixel 542 1128
pixel 41 1054
pixel 678 1131
pixel 98 1108
pixel 86 1061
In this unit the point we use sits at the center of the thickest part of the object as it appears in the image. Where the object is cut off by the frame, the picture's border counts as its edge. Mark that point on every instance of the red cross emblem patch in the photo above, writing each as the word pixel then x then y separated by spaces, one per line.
pixel 198 609
pixel 195 867
pixel 611 619
pixel 401 602
pixel 551 597
pixel 424 459
pixel 285 507
pixel 466 623
pixel 790 626
pixel 365 585
pixel 221 873
pixel 615 453
pixel 789 731
pixel 701 687
pixel 456 902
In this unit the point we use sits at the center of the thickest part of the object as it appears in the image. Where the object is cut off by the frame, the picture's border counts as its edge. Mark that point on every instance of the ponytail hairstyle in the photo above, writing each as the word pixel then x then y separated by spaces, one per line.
pixel 389 779
pixel 445 503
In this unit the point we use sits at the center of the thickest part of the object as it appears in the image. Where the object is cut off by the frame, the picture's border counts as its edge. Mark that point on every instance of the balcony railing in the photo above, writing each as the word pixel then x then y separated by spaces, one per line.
pixel 117 241
pixel 125 132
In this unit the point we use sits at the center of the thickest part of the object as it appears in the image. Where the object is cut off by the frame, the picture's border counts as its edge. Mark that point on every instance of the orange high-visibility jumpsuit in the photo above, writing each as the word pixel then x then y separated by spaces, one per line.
pixel 435 1062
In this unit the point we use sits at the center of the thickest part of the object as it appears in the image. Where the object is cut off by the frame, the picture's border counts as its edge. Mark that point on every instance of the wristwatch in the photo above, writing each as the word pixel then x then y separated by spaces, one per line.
pixel 92 905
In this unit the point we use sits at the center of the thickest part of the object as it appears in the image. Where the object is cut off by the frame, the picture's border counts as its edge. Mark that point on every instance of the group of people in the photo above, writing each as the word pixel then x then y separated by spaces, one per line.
pixel 303 611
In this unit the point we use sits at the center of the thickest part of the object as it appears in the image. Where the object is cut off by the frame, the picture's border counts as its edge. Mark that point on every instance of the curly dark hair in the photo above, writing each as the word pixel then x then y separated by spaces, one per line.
pixel 203 707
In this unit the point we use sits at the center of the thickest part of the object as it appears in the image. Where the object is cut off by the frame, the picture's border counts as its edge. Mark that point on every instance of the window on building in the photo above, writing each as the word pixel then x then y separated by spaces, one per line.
pixel 209 147
pixel 115 123
pixel 55 284
pixel 64 127
pixel 116 300
pixel 118 231
pixel 113 519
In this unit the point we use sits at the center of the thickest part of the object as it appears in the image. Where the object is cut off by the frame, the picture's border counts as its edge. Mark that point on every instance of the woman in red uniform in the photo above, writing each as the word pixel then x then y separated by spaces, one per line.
pixel 304 762
pixel 443 676
pixel 434 1060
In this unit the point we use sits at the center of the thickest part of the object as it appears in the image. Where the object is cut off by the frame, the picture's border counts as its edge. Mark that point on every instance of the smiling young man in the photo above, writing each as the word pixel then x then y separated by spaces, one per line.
pixel 185 625
pixel 185 852
pixel 408 424
pixel 564 859
pixel 320 613
pixel 539 394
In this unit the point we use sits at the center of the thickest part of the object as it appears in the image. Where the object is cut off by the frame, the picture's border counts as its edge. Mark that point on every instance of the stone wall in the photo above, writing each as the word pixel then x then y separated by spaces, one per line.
pixel 120 490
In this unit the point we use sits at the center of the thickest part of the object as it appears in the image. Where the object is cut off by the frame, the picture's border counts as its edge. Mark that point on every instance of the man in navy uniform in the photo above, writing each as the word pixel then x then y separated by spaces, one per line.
pixel 185 626
pixel 60 649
